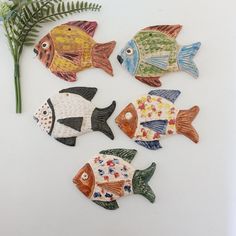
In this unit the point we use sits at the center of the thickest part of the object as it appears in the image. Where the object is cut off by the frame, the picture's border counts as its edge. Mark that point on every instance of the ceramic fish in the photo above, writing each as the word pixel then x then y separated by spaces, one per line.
pixel 153 116
pixel 70 48
pixel 154 51
pixel 109 176
pixel 70 114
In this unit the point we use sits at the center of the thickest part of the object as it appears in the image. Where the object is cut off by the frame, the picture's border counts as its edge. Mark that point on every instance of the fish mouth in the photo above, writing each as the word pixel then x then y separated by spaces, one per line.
pixel 35 118
pixel 36 52
pixel 120 59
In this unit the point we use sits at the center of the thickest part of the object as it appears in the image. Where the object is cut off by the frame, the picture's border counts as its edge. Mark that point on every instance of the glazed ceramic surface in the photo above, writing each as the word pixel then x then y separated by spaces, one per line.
pixel 152 116
pixel 70 113
pixel 109 176
pixel 70 48
pixel 154 51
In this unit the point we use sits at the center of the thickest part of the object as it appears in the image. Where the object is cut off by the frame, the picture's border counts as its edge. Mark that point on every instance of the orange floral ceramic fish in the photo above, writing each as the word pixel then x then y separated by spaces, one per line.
pixel 70 48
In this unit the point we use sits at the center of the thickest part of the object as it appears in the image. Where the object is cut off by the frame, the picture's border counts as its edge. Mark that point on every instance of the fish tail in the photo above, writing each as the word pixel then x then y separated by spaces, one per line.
pixel 101 54
pixel 185 59
pixel 184 123
pixel 140 182
pixel 99 120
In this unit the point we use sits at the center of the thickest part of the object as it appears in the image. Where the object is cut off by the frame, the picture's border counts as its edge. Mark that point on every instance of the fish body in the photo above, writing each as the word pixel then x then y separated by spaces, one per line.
pixel 70 114
pixel 154 51
pixel 152 116
pixel 70 48
pixel 109 176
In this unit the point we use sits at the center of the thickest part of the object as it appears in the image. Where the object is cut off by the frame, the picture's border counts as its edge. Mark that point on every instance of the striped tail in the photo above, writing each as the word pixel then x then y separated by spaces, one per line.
pixel 185 59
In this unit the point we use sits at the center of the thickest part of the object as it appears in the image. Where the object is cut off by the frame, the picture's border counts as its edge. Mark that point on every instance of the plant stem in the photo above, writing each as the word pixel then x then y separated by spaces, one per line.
pixel 17 86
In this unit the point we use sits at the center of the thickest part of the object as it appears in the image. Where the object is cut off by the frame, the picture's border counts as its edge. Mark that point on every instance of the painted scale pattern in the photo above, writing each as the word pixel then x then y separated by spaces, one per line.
pixel 151 108
pixel 107 169
pixel 151 43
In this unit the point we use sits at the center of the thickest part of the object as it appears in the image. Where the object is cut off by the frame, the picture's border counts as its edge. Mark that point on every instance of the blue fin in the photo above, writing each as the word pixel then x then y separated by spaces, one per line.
pixel 170 95
pixel 156 125
pixel 185 59
pixel 152 145
pixel 161 62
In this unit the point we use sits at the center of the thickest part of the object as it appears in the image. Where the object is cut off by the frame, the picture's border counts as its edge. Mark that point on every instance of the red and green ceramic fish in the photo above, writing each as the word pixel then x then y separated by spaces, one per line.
pixel 153 116
pixel 109 176
pixel 70 48
pixel 154 51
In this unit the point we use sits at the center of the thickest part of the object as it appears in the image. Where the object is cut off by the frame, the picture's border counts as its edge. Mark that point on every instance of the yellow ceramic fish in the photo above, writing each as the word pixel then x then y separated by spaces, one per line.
pixel 70 48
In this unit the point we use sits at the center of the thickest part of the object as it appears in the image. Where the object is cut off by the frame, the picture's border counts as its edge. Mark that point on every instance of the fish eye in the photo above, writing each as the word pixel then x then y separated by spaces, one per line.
pixel 45 45
pixel 128 115
pixel 84 176
pixel 129 51
pixel 44 112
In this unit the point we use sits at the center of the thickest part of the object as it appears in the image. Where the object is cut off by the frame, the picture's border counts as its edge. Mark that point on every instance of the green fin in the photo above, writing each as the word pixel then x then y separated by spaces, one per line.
pixel 85 92
pixel 140 182
pixel 125 154
pixel 108 205
pixel 72 122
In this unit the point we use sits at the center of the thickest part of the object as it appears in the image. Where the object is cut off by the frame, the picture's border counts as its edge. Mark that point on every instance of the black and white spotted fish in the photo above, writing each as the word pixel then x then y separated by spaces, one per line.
pixel 70 114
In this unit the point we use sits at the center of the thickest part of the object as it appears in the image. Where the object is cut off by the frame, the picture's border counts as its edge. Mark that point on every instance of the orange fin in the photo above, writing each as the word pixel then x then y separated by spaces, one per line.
pixel 101 54
pixel 75 57
pixel 152 81
pixel 183 123
pixel 170 30
pixel 114 187
pixel 67 76
pixel 87 26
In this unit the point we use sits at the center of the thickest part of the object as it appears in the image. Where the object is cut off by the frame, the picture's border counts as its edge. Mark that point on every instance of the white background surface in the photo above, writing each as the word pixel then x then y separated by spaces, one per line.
pixel 194 184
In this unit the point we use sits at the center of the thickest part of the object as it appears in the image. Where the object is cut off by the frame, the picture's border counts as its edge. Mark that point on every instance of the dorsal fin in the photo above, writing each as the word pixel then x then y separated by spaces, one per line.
pixel 85 92
pixel 170 95
pixel 125 154
pixel 170 30
pixel 87 26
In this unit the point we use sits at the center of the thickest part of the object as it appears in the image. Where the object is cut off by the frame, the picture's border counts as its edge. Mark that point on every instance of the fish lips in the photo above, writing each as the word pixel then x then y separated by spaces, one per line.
pixel 120 59
pixel 36 51
pixel 35 118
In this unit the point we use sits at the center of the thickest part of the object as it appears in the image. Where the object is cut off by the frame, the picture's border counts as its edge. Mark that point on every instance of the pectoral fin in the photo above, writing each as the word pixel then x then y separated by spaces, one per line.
pixel 74 57
pixel 156 125
pixel 161 62
pixel 108 205
pixel 72 122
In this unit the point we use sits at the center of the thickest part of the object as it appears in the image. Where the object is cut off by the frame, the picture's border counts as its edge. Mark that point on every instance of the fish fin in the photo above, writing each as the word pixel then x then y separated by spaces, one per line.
pixel 152 145
pixel 87 26
pixel 71 141
pixel 115 187
pixel 67 76
pixel 152 81
pixel 85 92
pixel 101 54
pixel 126 154
pixel 140 182
pixel 156 125
pixel 183 123
pixel 170 95
pixel 161 62
pixel 99 120
pixel 185 59
pixel 107 205
pixel 72 122
pixel 169 30
pixel 74 57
